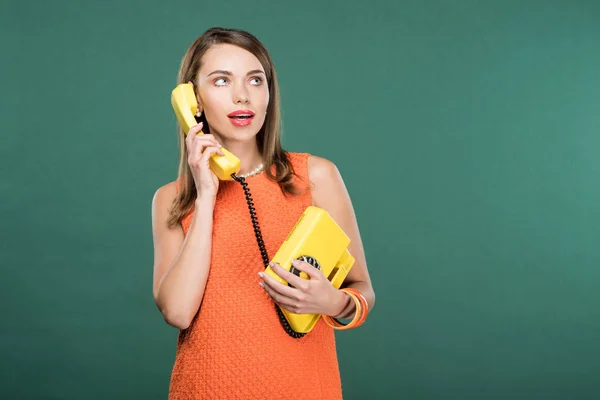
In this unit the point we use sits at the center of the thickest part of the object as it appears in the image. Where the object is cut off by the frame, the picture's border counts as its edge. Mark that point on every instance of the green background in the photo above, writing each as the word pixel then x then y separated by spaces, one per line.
pixel 468 136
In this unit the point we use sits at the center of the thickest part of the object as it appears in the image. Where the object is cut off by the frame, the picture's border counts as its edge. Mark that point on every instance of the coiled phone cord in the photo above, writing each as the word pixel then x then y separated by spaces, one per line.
pixel 263 251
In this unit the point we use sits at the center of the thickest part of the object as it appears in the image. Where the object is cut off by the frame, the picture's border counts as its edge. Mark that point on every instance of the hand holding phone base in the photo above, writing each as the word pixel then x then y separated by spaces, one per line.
pixel 317 239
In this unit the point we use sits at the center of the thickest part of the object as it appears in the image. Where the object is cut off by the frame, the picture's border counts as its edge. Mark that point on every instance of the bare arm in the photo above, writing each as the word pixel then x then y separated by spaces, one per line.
pixel 181 264
pixel 329 192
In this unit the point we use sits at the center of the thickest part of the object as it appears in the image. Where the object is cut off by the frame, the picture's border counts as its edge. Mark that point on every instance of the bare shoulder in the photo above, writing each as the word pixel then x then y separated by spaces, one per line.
pixel 317 166
pixel 162 202
pixel 165 194
pixel 326 181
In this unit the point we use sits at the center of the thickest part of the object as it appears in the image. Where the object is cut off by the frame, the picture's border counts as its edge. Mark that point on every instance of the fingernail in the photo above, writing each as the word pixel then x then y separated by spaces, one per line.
pixel 295 262
pixel 261 274
pixel 261 285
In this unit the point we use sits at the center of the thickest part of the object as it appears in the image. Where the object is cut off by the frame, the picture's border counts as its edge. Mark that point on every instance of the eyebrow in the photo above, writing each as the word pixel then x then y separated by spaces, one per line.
pixel 223 72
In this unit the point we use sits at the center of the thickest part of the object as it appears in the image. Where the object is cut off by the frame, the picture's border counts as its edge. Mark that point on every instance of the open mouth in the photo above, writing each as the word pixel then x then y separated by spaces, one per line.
pixel 241 114
pixel 241 117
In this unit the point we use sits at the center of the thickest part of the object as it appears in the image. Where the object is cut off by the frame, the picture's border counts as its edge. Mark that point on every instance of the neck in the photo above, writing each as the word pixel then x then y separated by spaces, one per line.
pixel 247 152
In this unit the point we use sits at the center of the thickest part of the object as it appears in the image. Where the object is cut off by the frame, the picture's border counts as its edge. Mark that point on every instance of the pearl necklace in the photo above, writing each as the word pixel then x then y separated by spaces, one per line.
pixel 255 171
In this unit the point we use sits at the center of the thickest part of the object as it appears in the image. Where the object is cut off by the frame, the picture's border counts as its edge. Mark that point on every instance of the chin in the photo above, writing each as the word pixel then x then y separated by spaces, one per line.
pixel 240 135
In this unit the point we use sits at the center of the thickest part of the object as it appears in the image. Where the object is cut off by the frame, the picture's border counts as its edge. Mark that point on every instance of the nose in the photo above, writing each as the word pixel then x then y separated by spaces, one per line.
pixel 240 94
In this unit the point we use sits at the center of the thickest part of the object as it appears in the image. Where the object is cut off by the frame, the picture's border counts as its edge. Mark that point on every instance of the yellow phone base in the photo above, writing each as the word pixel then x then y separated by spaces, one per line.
pixel 317 239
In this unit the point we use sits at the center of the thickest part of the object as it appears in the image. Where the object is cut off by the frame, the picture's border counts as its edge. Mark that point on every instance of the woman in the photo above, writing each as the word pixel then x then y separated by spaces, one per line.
pixel 208 279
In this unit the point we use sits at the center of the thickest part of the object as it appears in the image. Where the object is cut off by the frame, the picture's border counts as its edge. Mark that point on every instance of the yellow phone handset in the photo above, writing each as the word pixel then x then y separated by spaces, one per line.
pixel 185 105
pixel 317 239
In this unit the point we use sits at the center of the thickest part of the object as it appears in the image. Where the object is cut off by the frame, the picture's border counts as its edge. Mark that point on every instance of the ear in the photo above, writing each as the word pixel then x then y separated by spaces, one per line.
pixel 200 108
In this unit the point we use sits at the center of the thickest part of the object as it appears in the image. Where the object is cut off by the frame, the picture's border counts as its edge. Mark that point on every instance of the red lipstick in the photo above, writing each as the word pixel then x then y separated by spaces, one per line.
pixel 241 117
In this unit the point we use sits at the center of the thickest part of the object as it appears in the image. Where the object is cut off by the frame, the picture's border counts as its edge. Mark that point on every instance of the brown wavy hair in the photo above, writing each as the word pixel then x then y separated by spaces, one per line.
pixel 277 165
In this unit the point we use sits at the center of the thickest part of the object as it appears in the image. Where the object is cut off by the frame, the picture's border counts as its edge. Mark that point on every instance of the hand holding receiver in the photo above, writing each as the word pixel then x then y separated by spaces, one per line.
pixel 185 105
pixel 200 149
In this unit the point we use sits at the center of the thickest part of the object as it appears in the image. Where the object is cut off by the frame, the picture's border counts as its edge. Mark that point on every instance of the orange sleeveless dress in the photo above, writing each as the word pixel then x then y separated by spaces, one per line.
pixel 236 348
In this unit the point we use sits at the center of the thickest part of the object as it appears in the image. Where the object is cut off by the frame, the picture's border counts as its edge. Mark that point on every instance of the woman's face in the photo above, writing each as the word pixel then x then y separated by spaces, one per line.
pixel 232 92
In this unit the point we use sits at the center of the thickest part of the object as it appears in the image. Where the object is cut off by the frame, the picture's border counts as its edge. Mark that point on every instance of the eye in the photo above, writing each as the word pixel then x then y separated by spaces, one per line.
pixel 220 81
pixel 257 80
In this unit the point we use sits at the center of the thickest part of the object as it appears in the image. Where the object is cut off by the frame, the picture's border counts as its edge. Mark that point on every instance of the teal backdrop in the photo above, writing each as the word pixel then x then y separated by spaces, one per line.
pixel 468 136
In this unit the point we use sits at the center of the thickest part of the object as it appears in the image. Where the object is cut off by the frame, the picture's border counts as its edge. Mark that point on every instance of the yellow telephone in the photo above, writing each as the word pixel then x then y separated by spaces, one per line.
pixel 185 105
pixel 317 239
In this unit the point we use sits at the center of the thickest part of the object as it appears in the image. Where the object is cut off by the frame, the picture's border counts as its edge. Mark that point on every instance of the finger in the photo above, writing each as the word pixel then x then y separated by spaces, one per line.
pixel 194 130
pixel 292 308
pixel 209 151
pixel 280 288
pixel 205 137
pixel 311 271
pixel 292 279
pixel 191 134
pixel 207 140
pixel 200 144
pixel 195 139
pixel 278 298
